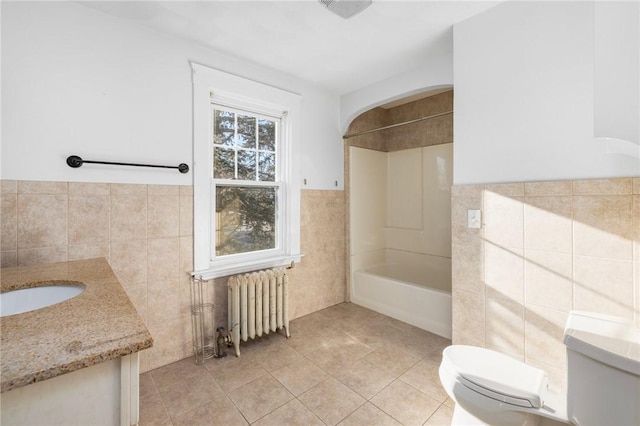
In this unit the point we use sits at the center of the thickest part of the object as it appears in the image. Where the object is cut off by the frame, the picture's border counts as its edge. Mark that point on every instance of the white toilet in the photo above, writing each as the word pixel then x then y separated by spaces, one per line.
pixel 603 379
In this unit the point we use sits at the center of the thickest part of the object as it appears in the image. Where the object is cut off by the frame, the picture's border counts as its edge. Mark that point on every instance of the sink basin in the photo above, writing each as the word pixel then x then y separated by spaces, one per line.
pixel 29 299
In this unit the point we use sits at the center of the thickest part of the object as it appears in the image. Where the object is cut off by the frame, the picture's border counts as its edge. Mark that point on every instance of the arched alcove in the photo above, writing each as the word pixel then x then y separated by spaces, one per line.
pixel 399 172
pixel 358 103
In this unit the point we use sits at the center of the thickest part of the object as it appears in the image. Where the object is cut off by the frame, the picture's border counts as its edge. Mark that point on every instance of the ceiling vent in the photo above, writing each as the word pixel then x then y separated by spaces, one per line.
pixel 346 8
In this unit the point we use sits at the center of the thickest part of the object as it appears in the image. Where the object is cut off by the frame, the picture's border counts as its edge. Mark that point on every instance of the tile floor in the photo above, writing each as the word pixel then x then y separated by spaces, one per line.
pixel 343 365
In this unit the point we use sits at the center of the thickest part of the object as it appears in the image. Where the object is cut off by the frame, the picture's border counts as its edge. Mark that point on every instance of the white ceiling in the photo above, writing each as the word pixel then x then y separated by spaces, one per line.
pixel 304 39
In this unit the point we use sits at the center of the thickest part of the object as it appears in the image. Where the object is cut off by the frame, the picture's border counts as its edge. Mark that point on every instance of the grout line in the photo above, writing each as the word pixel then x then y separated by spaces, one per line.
pixel 164 406
pixel 415 359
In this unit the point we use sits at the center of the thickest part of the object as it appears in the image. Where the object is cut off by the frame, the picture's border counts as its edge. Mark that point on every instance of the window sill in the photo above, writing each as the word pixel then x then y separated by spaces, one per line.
pixel 250 266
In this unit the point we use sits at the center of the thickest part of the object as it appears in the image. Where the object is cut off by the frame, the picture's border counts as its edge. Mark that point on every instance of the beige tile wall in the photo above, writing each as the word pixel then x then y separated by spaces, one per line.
pixel 145 231
pixel 434 131
pixel 544 249
pixel 318 281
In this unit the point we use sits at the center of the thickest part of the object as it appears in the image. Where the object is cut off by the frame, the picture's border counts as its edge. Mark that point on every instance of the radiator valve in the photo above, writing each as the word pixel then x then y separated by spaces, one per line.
pixel 223 339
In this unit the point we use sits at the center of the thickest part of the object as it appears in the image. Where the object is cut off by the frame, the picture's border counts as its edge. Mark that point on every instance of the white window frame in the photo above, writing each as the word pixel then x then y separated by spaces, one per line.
pixel 211 86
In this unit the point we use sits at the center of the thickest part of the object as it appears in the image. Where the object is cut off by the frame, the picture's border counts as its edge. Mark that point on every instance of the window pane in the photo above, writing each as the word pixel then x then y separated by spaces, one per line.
pixel 246 164
pixel 223 127
pixel 245 219
pixel 266 134
pixel 267 166
pixel 224 163
pixel 246 131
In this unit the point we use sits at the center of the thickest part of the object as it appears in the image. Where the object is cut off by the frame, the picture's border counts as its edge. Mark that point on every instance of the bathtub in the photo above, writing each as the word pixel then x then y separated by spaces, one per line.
pixel 418 293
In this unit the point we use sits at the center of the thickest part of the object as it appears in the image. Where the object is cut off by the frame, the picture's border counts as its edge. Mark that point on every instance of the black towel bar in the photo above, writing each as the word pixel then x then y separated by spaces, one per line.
pixel 75 162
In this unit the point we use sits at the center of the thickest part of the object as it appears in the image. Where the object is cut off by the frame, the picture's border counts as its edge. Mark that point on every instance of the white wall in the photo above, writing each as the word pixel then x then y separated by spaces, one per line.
pixel 78 81
pixel 524 95
pixel 435 73
pixel 616 83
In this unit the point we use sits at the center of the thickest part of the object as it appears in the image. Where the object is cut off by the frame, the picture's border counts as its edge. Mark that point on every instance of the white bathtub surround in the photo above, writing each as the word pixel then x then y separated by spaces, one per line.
pixel 401 200
pixel 400 211
pixel 413 288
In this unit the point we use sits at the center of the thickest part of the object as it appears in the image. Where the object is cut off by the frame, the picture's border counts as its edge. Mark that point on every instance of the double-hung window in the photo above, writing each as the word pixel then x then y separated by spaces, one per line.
pixel 246 201
pixel 246 182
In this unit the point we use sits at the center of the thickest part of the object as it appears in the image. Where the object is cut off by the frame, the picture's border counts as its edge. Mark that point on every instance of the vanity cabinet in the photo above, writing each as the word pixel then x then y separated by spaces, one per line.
pixel 75 362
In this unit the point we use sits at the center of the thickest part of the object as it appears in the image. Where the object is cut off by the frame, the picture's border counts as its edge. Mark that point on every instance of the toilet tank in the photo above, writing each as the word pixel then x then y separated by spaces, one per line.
pixel 603 370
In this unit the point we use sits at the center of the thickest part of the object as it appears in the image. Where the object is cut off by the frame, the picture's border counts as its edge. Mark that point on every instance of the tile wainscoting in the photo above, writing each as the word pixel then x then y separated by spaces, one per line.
pixel 146 234
pixel 544 249
pixel 318 281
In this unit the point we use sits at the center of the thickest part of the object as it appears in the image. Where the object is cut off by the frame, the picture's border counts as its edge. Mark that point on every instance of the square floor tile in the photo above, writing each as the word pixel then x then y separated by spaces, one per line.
pixel 424 376
pixel 176 372
pixel 300 376
pixel 276 356
pixel 227 361
pixel 292 413
pixel 424 344
pixel 331 401
pixel 450 403
pixel 335 360
pixel 238 373
pixel 146 384
pixel 190 393
pixel 313 322
pixel 220 411
pixel 397 324
pixel 442 417
pixel 391 359
pixel 152 411
pixel 260 397
pixel 369 415
pixel 366 333
pixel 338 312
pixel 406 404
pixel 365 378
pixel 308 342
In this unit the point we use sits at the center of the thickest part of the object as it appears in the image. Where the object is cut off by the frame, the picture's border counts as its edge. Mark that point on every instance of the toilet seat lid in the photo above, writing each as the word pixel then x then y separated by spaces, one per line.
pixel 497 376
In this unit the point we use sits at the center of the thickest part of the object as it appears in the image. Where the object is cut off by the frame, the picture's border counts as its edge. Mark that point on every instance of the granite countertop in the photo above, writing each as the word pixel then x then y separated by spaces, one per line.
pixel 98 325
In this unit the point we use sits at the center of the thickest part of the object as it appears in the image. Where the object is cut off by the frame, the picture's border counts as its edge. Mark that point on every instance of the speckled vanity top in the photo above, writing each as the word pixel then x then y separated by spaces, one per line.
pixel 98 325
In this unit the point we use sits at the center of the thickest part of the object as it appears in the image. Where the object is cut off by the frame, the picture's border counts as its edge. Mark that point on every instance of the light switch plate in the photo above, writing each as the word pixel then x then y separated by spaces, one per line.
pixel 474 218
